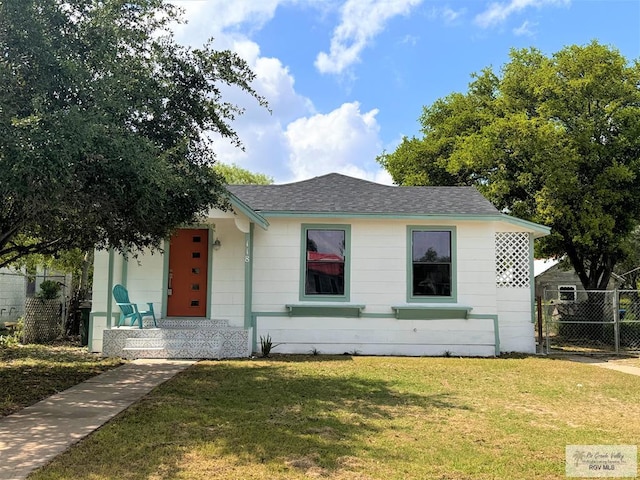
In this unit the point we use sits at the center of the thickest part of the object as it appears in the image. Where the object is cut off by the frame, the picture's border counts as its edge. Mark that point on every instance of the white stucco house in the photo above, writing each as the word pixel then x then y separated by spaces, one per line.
pixel 332 264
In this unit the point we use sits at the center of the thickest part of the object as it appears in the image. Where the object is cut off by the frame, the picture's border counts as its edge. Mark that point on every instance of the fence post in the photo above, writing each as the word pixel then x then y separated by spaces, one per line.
pixel 540 336
pixel 616 321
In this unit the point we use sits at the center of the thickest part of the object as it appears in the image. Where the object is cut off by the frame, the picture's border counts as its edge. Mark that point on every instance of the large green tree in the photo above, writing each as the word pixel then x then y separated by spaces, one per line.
pixel 103 124
pixel 553 139
pixel 235 175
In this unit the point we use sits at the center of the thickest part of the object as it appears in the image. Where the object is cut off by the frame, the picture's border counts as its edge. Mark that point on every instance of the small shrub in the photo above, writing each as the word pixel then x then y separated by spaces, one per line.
pixel 12 339
pixel 314 351
pixel 49 290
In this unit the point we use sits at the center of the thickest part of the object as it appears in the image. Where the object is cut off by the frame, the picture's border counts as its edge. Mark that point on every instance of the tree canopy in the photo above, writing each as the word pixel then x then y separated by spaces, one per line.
pixel 235 175
pixel 552 139
pixel 103 125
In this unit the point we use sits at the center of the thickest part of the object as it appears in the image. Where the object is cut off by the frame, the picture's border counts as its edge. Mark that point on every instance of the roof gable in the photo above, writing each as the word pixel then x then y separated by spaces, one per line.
pixel 336 193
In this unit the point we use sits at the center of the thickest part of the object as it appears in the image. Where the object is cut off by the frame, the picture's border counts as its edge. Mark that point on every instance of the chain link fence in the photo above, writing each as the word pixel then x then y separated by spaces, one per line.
pixel 602 321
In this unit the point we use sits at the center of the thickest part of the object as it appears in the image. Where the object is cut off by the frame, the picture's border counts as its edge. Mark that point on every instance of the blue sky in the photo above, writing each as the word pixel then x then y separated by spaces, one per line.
pixel 347 80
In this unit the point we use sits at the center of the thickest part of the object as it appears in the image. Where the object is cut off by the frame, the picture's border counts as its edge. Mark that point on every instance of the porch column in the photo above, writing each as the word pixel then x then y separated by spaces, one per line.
pixel 248 276
pixel 110 288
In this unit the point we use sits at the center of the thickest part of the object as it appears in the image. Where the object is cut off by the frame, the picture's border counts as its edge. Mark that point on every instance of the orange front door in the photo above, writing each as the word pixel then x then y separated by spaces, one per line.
pixel 188 261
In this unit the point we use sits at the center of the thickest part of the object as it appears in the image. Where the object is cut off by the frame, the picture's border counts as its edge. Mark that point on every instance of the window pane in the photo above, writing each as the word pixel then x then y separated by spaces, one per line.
pixel 432 246
pixel 432 279
pixel 431 259
pixel 325 262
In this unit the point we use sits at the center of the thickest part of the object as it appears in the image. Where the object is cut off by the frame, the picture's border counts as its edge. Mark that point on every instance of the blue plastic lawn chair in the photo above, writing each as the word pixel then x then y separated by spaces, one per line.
pixel 130 310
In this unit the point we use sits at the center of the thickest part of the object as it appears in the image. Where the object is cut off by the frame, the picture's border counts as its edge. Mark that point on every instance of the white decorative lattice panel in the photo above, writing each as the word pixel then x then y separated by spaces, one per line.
pixel 512 260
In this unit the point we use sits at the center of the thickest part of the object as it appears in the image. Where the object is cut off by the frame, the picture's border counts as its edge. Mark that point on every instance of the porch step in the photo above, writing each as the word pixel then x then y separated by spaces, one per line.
pixel 184 323
pixel 178 338
pixel 170 348
pixel 189 323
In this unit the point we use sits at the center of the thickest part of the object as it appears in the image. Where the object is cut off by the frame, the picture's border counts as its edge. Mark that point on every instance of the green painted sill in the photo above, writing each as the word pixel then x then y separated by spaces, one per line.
pixel 309 310
pixel 431 312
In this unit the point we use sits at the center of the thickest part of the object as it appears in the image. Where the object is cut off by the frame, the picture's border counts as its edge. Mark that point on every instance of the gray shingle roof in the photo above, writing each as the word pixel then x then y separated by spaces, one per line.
pixel 335 193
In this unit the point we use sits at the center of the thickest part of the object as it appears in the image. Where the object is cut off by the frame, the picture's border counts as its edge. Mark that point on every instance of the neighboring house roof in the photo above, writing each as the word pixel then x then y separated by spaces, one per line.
pixel 541 265
pixel 335 194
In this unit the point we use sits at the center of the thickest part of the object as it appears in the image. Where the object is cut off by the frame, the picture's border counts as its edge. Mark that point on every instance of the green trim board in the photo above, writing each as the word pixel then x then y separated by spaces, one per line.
pixel 165 278
pixel 436 312
pixel 305 227
pixel 532 280
pixel 211 235
pixel 254 325
pixel 469 316
pixel 90 332
pixel 110 287
pixel 535 228
pixel 411 298
pixel 377 315
pixel 248 276
pixel 339 311
pixel 92 315
pixel 253 216
pixel 541 230
pixel 124 271
pixel 496 327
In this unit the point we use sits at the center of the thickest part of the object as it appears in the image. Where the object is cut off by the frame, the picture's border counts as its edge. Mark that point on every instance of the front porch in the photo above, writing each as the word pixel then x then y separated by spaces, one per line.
pixel 177 338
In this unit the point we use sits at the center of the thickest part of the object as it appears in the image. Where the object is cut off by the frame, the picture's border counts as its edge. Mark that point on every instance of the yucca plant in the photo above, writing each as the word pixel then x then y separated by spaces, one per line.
pixel 266 345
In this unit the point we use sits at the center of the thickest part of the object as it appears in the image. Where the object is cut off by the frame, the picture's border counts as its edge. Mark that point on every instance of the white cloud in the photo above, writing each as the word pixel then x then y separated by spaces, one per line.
pixel 293 141
pixel 498 12
pixel 525 29
pixel 447 14
pixel 361 20
pixel 411 40
pixel 345 140
pixel 275 82
pixel 262 132
pixel 210 18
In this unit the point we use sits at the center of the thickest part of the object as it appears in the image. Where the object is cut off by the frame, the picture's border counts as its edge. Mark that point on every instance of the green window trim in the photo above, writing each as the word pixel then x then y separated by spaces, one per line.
pixel 453 297
pixel 347 263
pixel 435 312
pixel 338 311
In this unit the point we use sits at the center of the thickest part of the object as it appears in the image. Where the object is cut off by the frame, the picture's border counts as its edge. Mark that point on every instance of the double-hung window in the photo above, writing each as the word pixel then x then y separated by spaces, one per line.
pixel 325 262
pixel 431 269
pixel 567 293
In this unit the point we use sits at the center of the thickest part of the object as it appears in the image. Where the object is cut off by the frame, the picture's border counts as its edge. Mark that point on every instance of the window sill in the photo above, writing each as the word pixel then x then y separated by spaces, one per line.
pixel 431 312
pixel 324 310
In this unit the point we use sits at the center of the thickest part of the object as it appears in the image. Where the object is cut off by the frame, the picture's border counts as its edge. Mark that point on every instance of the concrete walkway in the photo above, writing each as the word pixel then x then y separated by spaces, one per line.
pixel 604 363
pixel 33 436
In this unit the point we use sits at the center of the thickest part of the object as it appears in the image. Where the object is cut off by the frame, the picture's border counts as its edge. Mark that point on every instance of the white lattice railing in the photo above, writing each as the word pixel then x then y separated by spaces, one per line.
pixel 512 260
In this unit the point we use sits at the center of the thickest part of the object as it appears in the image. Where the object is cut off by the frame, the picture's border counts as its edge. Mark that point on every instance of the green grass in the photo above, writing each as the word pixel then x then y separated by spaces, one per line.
pixel 362 418
pixel 30 373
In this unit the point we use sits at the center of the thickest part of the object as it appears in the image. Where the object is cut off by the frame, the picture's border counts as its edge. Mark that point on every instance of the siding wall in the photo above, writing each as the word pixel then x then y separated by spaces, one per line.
pixel 227 282
pixel 378 281
pixel 378 264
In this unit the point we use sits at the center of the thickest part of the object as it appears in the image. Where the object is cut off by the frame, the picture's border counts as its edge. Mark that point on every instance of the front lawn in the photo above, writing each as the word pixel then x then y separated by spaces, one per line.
pixel 30 373
pixel 361 418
